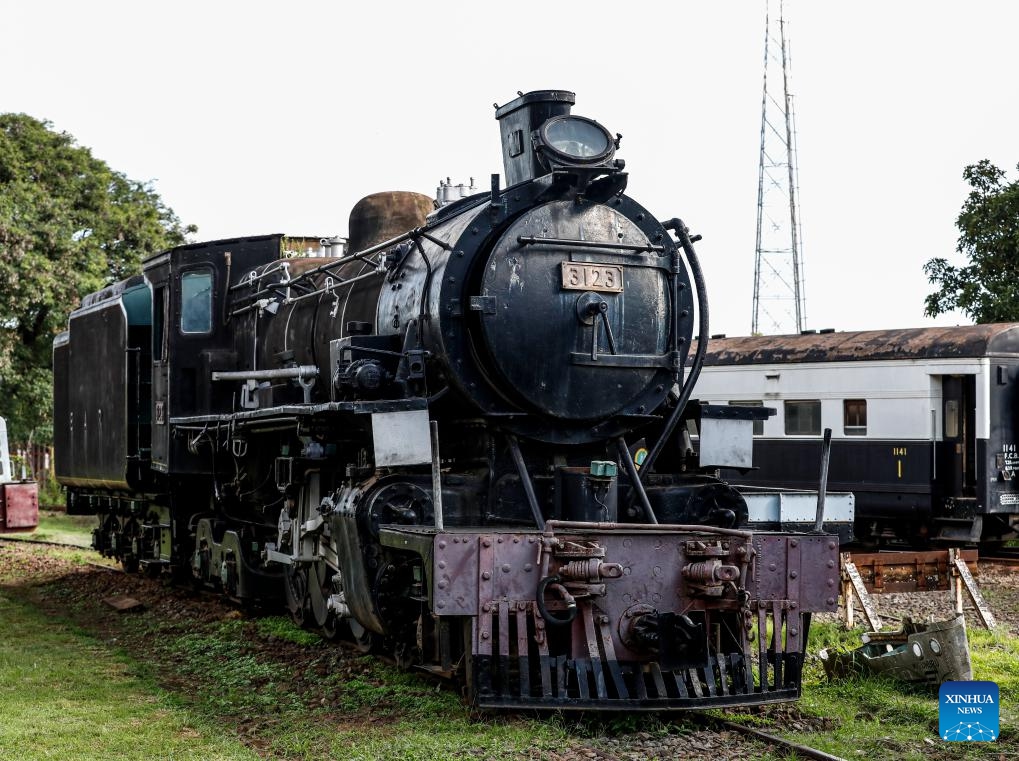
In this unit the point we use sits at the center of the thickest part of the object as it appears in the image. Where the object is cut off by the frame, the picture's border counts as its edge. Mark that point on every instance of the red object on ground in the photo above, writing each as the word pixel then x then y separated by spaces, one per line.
pixel 19 506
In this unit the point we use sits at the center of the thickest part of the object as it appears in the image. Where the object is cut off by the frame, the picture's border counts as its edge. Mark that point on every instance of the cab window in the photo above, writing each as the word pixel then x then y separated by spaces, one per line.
pixel 196 302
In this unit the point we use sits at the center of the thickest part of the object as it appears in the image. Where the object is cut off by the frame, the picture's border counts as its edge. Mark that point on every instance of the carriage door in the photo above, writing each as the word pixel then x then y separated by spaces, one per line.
pixel 957 450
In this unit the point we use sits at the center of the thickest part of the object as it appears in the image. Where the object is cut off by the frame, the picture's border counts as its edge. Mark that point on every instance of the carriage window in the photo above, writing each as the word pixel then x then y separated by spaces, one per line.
pixel 803 418
pixel 952 419
pixel 758 424
pixel 196 302
pixel 854 417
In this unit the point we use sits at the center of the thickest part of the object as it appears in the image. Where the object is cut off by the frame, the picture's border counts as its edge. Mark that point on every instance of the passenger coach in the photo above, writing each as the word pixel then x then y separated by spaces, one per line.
pixel 923 423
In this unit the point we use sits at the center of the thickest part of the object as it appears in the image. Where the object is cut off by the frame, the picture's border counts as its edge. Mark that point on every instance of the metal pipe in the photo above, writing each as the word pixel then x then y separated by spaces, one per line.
pixel 440 243
pixel 334 287
pixel 360 255
pixel 525 479
pixel 702 343
pixel 436 477
pixel 552 525
pixel 822 486
pixel 635 482
pixel 249 280
pixel 276 289
pixel 300 372
pixel 530 240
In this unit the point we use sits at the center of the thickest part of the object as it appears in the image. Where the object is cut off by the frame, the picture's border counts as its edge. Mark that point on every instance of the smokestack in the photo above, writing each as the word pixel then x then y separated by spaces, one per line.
pixel 517 120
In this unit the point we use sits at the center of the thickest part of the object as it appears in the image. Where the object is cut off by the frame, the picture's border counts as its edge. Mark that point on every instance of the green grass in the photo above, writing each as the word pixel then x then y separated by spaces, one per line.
pixel 61 528
pixel 883 719
pixel 364 710
pixel 64 695
pixel 283 628
pixel 447 740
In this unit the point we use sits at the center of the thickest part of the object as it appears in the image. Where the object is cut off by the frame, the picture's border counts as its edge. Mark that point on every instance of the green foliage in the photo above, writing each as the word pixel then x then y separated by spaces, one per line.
pixel 50 492
pixel 69 225
pixel 986 289
pixel 283 628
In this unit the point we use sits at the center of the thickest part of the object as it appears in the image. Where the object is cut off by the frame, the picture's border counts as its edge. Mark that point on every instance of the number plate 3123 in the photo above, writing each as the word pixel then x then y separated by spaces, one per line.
pixel 580 276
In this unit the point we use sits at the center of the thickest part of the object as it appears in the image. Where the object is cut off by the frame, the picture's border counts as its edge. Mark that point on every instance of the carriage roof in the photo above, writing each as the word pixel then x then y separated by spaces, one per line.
pixel 912 343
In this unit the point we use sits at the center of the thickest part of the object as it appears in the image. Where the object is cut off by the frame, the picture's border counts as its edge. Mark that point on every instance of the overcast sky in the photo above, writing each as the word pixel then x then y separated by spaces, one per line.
pixel 254 117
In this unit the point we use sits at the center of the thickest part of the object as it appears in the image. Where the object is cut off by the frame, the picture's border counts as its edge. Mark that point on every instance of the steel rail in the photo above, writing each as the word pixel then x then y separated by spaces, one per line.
pixel 14 539
pixel 803 751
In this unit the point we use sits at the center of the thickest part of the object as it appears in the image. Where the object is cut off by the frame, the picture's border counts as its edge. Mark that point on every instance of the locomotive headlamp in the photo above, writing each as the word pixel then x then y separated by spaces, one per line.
pixel 575 141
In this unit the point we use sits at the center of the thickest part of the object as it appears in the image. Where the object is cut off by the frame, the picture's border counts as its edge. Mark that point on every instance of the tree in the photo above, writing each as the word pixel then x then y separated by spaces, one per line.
pixel 69 225
pixel 986 289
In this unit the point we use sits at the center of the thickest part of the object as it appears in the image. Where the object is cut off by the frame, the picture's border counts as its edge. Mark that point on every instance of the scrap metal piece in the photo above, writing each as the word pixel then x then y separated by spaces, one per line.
pixel 919 653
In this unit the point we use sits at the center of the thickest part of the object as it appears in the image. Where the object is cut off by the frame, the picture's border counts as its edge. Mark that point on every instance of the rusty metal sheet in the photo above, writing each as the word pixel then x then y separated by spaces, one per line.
pixel 123 603
pixel 19 506
pixel 818 559
pixel 486 595
pixel 456 574
pixel 515 572
pixel 769 579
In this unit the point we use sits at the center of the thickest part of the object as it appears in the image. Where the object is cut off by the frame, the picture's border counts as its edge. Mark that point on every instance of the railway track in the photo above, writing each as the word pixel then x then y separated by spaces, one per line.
pixel 65 545
pixel 796 749
pixel 1003 557
pixel 14 538
pixel 711 737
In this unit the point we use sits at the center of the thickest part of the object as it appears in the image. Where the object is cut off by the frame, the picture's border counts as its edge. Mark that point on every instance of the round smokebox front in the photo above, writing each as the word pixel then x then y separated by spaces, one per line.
pixel 575 319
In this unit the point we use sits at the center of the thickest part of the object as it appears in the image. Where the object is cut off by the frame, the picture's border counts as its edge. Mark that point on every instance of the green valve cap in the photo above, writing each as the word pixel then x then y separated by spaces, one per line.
pixel 604 468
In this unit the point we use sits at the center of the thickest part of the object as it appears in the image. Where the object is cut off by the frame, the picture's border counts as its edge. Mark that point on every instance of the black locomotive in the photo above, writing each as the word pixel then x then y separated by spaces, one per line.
pixel 464 441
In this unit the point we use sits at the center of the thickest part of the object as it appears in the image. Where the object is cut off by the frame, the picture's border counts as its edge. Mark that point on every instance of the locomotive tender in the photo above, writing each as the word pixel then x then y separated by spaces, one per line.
pixel 924 423
pixel 429 444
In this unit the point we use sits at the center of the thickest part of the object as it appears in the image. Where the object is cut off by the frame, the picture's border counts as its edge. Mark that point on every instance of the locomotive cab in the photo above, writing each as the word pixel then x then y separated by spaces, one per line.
pixel 191 337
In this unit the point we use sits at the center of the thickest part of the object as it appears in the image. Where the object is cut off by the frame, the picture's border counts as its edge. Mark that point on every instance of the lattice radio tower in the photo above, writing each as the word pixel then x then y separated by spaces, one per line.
pixel 779 299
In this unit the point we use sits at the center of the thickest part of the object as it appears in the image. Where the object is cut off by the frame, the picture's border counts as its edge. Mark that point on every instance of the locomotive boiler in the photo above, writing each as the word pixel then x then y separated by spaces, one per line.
pixel 463 439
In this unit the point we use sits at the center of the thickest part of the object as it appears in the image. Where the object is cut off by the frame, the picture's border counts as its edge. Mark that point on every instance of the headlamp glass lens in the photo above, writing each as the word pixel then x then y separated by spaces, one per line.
pixel 576 137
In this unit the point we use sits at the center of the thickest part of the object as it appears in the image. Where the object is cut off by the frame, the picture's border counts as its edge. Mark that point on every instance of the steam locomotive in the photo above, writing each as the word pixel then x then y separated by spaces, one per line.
pixel 463 439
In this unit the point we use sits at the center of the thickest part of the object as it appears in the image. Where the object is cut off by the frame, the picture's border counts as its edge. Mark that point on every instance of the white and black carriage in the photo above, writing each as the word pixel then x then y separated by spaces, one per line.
pixel 923 420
